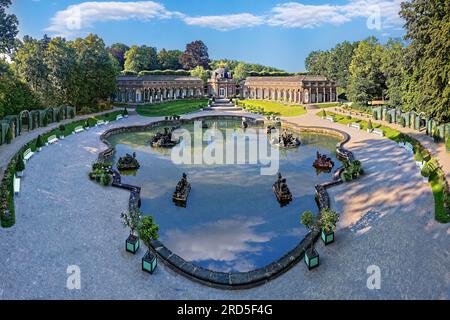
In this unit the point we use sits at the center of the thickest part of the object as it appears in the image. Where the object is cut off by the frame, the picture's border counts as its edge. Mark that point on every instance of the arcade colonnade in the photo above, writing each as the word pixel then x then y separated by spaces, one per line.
pixel 293 89
pixel 157 88
pixel 28 120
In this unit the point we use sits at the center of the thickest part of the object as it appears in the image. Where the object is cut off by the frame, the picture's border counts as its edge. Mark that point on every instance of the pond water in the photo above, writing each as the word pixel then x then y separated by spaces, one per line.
pixel 232 221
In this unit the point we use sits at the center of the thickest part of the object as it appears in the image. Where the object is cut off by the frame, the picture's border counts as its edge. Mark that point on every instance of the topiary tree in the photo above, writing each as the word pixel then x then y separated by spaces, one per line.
pixel 148 230
pixel 403 122
pixel 132 219
pixel 9 135
pixel 125 112
pixel 39 142
pixel 328 220
pixel 307 219
pixel 324 113
pixel 436 136
pixel 20 166
pixel 369 125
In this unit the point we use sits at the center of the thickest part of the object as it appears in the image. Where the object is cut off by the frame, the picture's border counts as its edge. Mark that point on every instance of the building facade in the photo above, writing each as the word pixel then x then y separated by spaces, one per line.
pixel 221 84
pixel 293 89
pixel 157 88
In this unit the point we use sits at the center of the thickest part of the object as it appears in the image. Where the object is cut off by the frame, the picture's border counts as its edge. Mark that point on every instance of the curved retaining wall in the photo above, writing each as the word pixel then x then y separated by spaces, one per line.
pixel 232 280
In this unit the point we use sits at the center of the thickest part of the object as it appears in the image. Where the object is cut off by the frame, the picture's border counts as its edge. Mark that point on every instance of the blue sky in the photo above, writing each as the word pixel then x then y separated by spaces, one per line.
pixel 276 33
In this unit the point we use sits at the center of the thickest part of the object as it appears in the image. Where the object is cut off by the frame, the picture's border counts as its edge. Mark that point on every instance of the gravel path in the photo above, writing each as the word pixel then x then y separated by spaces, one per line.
pixel 62 219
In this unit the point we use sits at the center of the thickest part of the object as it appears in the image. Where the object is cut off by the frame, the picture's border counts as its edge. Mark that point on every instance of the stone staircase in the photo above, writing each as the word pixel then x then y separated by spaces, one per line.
pixel 223 105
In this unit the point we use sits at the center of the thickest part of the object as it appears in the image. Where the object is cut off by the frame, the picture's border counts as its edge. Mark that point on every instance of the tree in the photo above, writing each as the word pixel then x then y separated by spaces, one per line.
pixel 338 63
pixel 169 59
pixel 132 219
pixel 201 73
pixel 367 82
pixel 141 58
pixel 316 63
pixel 96 74
pixel 9 135
pixel 20 166
pixel 15 95
pixel 39 142
pixel 196 54
pixel 30 64
pixel 427 24
pixel 8 28
pixel 241 71
pixel 328 219
pixel 307 219
pixel 148 230
pixel 393 68
pixel 61 62
pixel 117 50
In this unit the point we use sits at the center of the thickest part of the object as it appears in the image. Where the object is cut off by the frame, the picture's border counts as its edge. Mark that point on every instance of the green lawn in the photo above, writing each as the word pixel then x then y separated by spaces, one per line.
pixel 171 108
pixel 327 105
pixel 436 181
pixel 278 108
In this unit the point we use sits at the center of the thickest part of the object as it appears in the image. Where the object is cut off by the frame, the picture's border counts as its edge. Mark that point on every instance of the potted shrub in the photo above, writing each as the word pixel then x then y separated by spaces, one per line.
pixel 311 256
pixel 369 126
pixel 389 118
pixel 86 125
pixel 402 122
pixel 328 221
pixel 148 231
pixel 436 137
pixel 20 165
pixel 62 128
pixel 132 220
pixel 39 143
pixel 125 113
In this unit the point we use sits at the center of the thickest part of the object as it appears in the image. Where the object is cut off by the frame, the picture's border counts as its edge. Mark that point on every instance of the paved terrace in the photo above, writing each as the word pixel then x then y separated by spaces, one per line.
pixel 437 150
pixel 63 218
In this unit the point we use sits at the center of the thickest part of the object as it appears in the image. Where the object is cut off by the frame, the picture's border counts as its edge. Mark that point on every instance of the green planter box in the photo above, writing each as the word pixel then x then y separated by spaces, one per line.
pixel 149 262
pixel 132 244
pixel 311 259
pixel 327 238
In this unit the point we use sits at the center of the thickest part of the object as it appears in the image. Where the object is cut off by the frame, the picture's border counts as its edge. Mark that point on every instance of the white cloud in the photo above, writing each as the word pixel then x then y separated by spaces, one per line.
pixel 78 18
pixel 226 22
pixel 297 15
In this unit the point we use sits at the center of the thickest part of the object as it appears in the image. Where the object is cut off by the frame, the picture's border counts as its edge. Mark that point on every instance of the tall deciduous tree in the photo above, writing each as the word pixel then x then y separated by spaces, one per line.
pixel 428 30
pixel 140 58
pixel 201 73
pixel 393 68
pixel 61 61
pixel 169 59
pixel 196 54
pixel 8 28
pixel 117 50
pixel 367 82
pixel 316 63
pixel 96 74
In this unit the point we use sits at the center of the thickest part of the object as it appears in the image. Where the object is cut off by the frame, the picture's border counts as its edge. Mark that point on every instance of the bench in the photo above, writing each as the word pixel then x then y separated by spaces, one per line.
pixel 27 154
pixel 406 145
pixel 329 118
pixel 378 132
pixel 354 125
pixel 16 185
pixel 119 116
pixel 101 122
pixel 52 139
pixel 78 129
